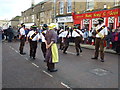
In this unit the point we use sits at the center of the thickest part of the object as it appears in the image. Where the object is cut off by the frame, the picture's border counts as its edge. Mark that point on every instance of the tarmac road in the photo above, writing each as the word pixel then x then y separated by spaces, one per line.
pixel 73 71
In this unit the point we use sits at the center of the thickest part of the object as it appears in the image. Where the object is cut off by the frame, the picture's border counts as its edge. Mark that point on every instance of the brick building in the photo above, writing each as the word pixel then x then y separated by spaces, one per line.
pixel 60 11
pixel 65 8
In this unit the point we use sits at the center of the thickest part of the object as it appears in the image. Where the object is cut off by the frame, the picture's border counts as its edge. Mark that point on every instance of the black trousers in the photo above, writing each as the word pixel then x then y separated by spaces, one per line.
pixel 43 47
pixel 33 47
pixel 66 44
pixel 51 66
pixel 22 43
pixel 78 40
pixel 61 43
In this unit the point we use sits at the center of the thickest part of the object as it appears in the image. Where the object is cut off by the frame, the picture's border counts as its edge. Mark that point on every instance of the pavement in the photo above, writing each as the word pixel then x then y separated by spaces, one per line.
pixel 92 47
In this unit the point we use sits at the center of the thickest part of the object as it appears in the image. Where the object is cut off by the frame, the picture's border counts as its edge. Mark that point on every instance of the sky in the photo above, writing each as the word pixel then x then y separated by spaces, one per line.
pixel 11 8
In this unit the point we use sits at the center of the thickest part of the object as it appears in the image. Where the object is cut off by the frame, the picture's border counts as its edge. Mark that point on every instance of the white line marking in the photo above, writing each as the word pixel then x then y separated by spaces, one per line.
pixel 71 52
pixel 16 51
pixel 26 58
pixel 65 85
pixel 12 48
pixel 35 65
pixel 47 73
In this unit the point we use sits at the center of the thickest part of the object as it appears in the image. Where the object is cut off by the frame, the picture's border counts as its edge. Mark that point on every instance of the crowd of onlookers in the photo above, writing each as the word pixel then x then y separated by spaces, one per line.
pixel 112 41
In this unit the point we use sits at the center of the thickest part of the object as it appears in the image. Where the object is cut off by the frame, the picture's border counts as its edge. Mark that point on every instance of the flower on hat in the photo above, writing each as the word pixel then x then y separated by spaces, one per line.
pixel 52 26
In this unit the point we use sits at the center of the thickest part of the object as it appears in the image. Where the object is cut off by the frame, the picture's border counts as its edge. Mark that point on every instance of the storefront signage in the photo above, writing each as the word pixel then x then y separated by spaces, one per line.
pixel 65 19
pixel 104 13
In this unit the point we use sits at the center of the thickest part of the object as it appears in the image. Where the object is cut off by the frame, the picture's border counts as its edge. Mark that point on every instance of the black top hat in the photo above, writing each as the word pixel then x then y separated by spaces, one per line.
pixel 45 25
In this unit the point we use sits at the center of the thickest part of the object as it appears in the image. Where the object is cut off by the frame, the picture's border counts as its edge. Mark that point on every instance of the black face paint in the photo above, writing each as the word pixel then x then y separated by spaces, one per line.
pixel 99 22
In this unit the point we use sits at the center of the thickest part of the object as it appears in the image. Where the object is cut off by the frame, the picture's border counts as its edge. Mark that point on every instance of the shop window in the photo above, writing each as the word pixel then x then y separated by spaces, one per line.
pixel 61 7
pixel 111 22
pixel 86 23
pixel 69 6
pixel 94 22
pixel 111 19
pixel 90 4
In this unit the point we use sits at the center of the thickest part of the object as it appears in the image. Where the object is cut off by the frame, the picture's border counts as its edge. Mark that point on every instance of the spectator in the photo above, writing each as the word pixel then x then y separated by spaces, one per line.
pixel 85 36
pixel 108 38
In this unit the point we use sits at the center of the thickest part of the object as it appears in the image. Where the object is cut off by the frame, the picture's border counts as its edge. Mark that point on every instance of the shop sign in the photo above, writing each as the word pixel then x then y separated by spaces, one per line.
pixel 103 13
pixel 65 19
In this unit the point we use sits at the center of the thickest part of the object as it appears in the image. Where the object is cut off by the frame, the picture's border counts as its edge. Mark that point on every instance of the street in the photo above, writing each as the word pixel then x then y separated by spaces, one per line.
pixel 19 71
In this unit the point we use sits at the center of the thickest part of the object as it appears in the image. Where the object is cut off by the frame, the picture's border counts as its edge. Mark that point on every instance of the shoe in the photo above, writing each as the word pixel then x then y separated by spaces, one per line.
pixel 77 54
pixel 107 48
pixel 34 58
pixel 48 69
pixel 22 53
pixel 64 52
pixel 80 50
pixel 45 61
pixel 94 58
pixel 102 60
pixel 53 70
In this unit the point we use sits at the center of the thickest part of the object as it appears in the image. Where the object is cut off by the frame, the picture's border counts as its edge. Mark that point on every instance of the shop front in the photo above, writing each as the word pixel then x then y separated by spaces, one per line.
pixel 90 20
pixel 63 21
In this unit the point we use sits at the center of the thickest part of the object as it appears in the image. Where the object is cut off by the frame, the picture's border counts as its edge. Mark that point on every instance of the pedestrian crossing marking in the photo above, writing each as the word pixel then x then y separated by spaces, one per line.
pixel 65 85
pixel 47 73
pixel 35 65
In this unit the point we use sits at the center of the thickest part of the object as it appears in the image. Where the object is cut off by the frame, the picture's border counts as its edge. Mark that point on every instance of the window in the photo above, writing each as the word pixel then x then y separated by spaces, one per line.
pixel 69 6
pixel 61 7
pixel 33 18
pixel 116 2
pixel 90 4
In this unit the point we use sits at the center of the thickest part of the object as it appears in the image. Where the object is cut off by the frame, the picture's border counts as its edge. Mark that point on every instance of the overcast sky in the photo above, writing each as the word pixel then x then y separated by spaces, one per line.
pixel 12 8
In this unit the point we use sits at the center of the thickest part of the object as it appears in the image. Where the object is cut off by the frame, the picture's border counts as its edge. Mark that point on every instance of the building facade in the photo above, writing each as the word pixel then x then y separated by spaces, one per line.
pixel 61 12
pixel 39 14
pixel 65 9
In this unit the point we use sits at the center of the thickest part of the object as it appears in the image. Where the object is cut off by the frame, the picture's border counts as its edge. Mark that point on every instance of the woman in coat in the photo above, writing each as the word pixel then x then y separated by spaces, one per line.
pixel 52 50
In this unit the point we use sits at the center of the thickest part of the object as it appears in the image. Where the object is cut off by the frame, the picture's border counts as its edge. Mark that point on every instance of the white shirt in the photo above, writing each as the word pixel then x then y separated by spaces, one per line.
pixel 42 37
pixel 22 31
pixel 65 34
pixel 103 32
pixel 75 34
pixel 36 37
pixel 90 33
pixel 61 33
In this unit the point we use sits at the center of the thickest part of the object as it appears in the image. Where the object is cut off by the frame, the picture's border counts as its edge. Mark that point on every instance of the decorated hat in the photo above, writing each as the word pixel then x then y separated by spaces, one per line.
pixel 52 26
pixel 34 26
